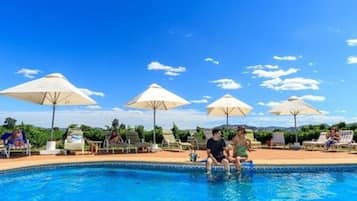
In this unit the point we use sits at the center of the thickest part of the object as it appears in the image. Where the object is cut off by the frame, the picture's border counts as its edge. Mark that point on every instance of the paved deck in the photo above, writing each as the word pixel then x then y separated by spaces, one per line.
pixel 260 157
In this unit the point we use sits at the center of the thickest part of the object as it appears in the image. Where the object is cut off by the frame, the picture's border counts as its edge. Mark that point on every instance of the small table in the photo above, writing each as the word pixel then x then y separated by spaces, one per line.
pixel 94 145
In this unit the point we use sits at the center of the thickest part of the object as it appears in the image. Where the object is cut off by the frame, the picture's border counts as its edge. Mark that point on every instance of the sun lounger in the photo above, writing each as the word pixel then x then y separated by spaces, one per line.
pixel 123 146
pixel 345 140
pixel 171 142
pixel 74 140
pixel 277 140
pixel 250 135
pixel 134 142
pixel 9 145
pixel 320 142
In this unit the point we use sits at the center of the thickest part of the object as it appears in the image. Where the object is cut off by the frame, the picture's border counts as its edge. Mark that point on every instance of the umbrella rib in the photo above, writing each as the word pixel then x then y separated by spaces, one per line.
pixel 241 111
pixel 43 98
pixel 63 98
pixel 50 98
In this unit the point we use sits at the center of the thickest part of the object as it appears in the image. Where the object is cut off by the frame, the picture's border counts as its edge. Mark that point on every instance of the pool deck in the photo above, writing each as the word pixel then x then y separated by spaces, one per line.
pixel 259 156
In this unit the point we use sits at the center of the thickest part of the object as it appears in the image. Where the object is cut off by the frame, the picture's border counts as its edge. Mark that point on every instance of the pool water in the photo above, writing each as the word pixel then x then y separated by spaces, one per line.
pixel 99 183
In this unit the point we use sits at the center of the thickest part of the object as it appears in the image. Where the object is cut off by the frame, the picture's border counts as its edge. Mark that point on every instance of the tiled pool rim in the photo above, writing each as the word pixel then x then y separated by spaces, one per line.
pixel 189 167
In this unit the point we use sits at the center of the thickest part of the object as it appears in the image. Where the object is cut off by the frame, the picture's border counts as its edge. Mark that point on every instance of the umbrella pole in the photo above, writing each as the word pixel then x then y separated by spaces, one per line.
pixel 296 135
pixel 154 140
pixel 227 121
pixel 53 119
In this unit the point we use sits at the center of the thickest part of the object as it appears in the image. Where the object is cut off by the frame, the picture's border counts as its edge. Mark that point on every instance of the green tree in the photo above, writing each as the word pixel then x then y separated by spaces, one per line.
pixel 10 123
pixel 73 126
pixel 175 130
pixel 140 130
pixel 115 124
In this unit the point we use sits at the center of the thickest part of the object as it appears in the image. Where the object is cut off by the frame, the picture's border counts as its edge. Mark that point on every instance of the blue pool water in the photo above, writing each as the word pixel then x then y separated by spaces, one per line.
pixel 99 183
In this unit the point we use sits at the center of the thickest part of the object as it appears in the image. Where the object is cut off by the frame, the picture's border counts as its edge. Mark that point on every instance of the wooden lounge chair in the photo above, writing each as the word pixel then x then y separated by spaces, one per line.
pixel 135 142
pixel 74 140
pixel 320 142
pixel 171 142
pixel 9 146
pixel 250 135
pixel 277 140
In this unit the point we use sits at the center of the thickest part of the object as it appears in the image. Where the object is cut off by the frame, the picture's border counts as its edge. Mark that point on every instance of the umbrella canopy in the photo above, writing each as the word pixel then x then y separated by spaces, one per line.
pixel 228 106
pixel 53 89
pixel 157 98
pixel 294 106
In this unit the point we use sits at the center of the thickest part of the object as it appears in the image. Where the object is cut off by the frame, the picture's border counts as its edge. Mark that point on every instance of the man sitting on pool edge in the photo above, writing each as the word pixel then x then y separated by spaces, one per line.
pixel 216 152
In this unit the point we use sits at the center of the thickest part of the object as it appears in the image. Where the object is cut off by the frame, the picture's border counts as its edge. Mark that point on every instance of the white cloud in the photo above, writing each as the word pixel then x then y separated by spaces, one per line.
pixel 89 92
pixel 29 73
pixel 341 111
pixel 227 84
pixel 204 99
pixel 310 64
pixel 285 58
pixel 313 98
pixel 193 118
pixel 169 70
pixel 352 60
pixel 199 101
pixel 324 112
pixel 315 71
pixel 269 104
pixel 352 42
pixel 298 83
pixel 94 107
pixel 117 109
pixel 169 73
pixel 261 66
pixel 257 114
pixel 214 61
pixel 135 111
pixel 274 74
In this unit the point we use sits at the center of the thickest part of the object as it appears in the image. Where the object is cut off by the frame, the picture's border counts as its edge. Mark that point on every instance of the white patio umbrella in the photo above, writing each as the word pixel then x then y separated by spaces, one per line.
pixel 157 98
pixel 53 89
pixel 228 106
pixel 294 106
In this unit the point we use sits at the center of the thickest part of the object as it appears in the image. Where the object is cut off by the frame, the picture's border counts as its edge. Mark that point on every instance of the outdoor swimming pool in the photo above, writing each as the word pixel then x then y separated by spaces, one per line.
pixel 112 182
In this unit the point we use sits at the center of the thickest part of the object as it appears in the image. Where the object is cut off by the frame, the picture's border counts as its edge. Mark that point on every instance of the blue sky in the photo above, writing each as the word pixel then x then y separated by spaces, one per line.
pixel 261 52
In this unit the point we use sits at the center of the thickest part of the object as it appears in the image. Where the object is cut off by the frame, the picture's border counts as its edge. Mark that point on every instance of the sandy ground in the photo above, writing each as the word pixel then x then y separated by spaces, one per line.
pixel 260 157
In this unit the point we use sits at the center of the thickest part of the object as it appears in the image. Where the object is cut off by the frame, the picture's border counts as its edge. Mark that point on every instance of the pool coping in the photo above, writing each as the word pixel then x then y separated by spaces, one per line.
pixel 177 166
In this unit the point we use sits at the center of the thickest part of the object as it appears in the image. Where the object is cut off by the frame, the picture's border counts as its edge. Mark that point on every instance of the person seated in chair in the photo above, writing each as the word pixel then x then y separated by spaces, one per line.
pixel 115 138
pixel 17 138
pixel 239 151
pixel 332 138
pixel 216 152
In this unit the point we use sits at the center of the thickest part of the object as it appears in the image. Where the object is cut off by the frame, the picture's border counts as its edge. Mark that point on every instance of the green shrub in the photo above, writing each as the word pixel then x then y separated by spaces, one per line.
pixel 263 136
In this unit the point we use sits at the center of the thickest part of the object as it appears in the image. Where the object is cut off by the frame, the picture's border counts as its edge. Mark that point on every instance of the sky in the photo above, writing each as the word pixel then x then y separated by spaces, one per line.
pixel 261 52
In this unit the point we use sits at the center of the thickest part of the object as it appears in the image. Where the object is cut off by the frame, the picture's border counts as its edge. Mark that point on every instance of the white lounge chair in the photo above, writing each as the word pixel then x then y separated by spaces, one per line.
pixel 249 134
pixel 74 140
pixel 171 142
pixel 320 142
pixel 345 140
pixel 277 140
